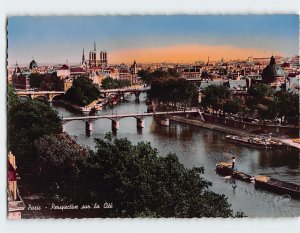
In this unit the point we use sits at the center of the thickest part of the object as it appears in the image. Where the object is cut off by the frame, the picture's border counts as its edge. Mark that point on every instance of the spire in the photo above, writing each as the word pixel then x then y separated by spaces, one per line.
pixel 272 60
pixel 83 58
pixel 94 46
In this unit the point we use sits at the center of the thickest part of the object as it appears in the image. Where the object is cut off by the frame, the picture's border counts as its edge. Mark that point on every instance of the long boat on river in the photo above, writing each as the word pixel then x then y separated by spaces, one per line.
pixel 258 142
pixel 224 169
pixel 260 182
pixel 277 186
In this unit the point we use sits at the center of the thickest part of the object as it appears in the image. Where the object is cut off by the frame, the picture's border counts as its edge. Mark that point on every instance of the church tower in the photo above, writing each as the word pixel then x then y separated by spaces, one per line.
pixel 134 73
pixel 103 59
pixel 92 56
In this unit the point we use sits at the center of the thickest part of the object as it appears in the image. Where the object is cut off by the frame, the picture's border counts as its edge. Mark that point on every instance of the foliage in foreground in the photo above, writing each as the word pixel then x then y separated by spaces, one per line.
pixel 134 178
pixel 28 120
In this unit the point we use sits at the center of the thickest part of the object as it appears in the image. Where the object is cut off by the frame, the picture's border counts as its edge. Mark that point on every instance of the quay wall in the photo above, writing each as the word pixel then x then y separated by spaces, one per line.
pixel 278 130
pixel 238 127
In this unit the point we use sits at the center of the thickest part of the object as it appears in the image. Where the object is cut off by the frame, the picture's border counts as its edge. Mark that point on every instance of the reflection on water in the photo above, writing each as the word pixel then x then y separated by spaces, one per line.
pixel 195 146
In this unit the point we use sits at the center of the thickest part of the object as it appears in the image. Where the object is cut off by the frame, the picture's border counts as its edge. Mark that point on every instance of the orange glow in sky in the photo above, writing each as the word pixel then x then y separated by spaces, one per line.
pixel 185 54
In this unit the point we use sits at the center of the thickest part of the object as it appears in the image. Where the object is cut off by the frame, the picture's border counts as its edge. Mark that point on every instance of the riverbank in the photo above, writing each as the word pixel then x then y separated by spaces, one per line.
pixel 228 130
pixel 221 128
pixel 72 107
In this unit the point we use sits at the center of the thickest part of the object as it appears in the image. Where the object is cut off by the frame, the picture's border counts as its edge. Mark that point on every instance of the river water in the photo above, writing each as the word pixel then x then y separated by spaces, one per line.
pixel 196 146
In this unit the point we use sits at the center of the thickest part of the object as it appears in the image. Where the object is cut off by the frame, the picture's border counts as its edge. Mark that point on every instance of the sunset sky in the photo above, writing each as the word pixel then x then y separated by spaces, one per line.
pixel 177 38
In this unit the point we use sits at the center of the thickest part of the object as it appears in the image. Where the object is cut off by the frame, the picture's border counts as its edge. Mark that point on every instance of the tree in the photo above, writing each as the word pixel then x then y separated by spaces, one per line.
pixel 83 92
pixel 51 82
pixel 27 121
pixel 12 98
pixel 140 183
pixel 215 97
pixel 60 156
pixel 173 73
pixel 110 83
pixel 261 92
pixel 148 76
pixel 261 98
pixel 174 91
pixel 288 106
pixel 269 111
pixel 145 76
pixel 36 79
pixel 232 106
pixel 134 178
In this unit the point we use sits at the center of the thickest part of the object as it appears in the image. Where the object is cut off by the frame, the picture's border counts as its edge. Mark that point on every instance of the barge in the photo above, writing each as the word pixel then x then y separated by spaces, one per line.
pixel 260 182
pixel 277 186
pixel 259 142
pixel 225 169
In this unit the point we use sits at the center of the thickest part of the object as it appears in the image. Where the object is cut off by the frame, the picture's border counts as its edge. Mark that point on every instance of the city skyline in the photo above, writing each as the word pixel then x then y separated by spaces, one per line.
pixel 147 39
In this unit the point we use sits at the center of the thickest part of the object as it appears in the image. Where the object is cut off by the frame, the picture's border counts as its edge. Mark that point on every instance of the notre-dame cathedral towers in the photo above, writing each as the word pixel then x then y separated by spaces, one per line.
pixel 98 60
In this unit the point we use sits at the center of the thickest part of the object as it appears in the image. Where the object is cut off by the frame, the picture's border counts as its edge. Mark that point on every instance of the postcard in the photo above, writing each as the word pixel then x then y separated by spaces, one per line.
pixel 153 116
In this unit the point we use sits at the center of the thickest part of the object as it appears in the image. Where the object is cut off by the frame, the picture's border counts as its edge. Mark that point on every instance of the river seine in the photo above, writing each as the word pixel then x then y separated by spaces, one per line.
pixel 196 146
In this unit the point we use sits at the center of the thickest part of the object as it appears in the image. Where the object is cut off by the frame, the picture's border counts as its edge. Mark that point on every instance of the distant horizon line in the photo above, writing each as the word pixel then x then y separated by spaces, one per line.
pixel 145 63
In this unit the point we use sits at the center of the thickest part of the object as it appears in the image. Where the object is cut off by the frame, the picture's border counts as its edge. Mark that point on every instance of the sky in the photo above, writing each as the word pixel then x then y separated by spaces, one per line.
pixel 176 38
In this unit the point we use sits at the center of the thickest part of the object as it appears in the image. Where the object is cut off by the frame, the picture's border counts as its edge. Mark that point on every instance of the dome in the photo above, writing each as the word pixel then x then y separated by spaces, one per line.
pixel 33 64
pixel 272 71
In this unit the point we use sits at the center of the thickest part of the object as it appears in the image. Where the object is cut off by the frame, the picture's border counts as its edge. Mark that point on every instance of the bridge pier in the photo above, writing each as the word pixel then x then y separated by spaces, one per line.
pixel 165 122
pixel 88 128
pixel 137 96
pixel 50 98
pixel 140 123
pixel 63 128
pixel 115 124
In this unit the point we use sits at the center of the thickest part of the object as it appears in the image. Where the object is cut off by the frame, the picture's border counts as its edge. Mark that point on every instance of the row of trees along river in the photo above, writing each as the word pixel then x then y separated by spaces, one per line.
pixel 268 104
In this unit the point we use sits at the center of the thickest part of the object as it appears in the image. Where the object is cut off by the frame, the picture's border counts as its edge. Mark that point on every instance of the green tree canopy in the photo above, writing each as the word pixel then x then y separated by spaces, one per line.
pixel 27 121
pixel 140 183
pixel 134 178
pixel 215 96
pixel 83 92
pixel 232 106
pixel 287 106
pixel 60 156
pixel 174 91
pixel 36 79
pixel 110 83
pixel 261 91
pixel 51 82
pixel 148 76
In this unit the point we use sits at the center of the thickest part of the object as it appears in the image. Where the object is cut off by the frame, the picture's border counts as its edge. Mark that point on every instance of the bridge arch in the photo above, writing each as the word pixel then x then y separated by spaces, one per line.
pixel 56 96
pixel 40 97
pixel 24 96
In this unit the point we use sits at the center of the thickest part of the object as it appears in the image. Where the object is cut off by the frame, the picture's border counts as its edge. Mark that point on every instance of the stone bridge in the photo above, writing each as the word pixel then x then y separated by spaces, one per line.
pixel 115 119
pixel 122 91
pixel 48 95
